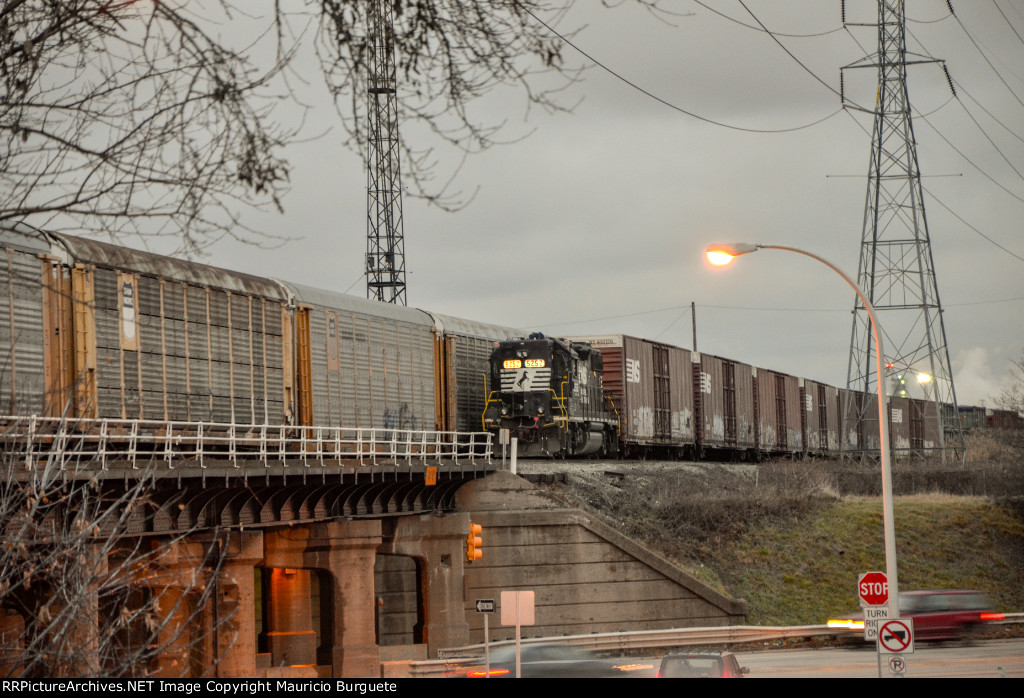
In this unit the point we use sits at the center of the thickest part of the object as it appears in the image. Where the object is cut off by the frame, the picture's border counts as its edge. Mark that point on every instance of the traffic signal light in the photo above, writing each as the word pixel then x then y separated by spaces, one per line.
pixel 474 542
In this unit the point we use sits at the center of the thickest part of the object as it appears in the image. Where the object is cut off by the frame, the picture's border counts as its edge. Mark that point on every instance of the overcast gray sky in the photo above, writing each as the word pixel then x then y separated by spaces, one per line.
pixel 596 220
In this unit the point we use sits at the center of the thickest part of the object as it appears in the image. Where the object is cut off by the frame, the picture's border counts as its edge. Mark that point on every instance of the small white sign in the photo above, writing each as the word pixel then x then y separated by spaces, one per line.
pixel 873 615
pixel 632 371
pixel 517 608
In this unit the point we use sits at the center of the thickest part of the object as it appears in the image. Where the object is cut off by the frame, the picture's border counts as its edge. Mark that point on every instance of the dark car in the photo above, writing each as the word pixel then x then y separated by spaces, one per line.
pixel 705 665
pixel 545 661
pixel 943 614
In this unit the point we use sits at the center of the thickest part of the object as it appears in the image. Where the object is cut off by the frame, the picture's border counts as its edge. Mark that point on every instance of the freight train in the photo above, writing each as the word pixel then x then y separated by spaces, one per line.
pixel 644 398
pixel 98 331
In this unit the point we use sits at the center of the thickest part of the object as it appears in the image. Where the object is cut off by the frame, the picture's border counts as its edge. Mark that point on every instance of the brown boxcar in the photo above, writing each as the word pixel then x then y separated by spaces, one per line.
pixel 924 425
pixel 1003 419
pixel 650 387
pixel 778 413
pixel 725 403
pixel 821 418
pixel 899 424
pixel 860 421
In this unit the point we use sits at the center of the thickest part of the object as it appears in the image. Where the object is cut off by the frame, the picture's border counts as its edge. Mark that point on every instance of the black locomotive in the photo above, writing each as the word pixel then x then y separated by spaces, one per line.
pixel 549 394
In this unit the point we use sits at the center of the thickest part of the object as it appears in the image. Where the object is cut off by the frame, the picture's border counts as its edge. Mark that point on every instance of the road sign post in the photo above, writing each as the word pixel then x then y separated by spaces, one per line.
pixel 486 607
pixel 517 609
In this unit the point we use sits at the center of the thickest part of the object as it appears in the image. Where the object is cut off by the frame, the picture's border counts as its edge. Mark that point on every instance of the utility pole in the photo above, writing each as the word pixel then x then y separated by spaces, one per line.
pixel 896 270
pixel 385 243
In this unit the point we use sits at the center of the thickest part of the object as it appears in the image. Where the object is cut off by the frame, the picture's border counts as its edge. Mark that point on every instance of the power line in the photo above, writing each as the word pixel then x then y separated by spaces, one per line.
pixel 990 65
pixel 790 53
pixel 951 211
pixel 1008 22
pixel 959 152
pixel 665 102
pixel 762 29
pixel 683 309
pixel 992 116
pixel 960 218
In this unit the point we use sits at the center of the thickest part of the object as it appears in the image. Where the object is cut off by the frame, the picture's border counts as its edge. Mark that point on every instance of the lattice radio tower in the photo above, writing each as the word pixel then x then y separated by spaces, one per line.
pixel 385 243
pixel 896 270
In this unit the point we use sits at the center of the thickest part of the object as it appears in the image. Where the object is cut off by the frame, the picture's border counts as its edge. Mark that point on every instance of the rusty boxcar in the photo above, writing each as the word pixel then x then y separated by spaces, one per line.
pixel 821 417
pixel 726 404
pixel 650 386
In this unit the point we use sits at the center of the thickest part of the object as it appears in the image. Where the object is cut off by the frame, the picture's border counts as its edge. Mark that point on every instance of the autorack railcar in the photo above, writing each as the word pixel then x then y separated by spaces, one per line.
pixel 100 331
pixel 108 332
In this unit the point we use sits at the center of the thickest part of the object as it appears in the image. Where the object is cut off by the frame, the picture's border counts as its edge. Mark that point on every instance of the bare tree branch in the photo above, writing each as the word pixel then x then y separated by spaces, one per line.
pixel 128 118
pixel 81 594
pixel 1012 396
pixel 138 118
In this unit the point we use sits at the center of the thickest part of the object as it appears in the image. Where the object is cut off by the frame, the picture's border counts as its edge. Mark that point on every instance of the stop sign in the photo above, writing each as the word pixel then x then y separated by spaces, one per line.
pixel 873 589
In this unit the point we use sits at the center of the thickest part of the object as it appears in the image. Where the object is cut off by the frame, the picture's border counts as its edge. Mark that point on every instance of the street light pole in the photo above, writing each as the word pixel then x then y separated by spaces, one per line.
pixel 721 254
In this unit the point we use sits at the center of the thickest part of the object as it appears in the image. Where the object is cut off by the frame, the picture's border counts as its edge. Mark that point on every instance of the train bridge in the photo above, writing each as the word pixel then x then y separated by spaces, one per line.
pixel 296 551
pixel 309 552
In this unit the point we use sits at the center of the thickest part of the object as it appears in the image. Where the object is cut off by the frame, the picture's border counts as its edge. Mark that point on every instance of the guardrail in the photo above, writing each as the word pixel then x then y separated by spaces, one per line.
pixel 129 442
pixel 654 639
pixel 646 639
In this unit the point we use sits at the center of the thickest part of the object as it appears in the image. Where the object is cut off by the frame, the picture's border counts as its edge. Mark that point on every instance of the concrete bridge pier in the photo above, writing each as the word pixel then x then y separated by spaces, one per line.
pixel 347 551
pixel 231 619
pixel 438 544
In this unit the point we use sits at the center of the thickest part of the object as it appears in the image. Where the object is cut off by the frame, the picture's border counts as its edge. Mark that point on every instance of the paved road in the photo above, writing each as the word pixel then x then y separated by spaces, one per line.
pixel 991 659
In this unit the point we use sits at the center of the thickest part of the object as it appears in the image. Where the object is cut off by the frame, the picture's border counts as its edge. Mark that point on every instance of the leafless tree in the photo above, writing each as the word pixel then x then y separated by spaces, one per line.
pixel 81 592
pixel 127 117
pixel 447 54
pixel 1012 395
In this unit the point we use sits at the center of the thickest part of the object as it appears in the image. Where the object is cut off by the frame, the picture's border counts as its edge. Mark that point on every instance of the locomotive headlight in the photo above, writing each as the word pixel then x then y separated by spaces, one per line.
pixel 504 411
pixel 540 410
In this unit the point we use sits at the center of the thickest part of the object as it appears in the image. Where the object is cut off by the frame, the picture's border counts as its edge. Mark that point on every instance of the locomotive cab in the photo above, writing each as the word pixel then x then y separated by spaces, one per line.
pixel 548 392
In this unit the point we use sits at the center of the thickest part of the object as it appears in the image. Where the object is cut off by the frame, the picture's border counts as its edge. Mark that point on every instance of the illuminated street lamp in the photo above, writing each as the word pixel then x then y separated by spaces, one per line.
pixel 924 380
pixel 723 253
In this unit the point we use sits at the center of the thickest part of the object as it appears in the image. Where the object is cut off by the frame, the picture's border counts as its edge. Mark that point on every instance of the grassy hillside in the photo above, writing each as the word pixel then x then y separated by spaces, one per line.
pixel 802 570
pixel 791 540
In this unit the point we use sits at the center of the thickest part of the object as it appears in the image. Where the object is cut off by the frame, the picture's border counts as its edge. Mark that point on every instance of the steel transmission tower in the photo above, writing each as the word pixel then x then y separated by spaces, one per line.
pixel 896 270
pixel 385 244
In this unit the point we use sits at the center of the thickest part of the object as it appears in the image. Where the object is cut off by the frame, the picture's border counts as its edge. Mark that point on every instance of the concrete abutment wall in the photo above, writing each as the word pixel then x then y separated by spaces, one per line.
pixel 586 577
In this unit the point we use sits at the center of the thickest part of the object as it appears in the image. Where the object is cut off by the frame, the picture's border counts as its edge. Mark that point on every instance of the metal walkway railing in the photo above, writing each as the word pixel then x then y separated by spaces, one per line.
pixel 101 443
